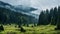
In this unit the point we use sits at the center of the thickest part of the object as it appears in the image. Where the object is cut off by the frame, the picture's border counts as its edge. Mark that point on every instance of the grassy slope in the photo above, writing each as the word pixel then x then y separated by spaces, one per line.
pixel 47 29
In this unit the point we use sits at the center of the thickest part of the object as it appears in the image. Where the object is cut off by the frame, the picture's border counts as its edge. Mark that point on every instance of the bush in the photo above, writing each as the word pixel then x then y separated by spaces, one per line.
pixel 1 28
pixel 27 25
pixel 58 27
pixel 23 30
pixel 19 26
pixel 32 26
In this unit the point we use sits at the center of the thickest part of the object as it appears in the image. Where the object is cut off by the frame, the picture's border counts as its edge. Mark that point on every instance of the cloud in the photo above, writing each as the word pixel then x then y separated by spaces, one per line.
pixel 35 3
pixel 17 2
pixel 40 4
pixel 45 3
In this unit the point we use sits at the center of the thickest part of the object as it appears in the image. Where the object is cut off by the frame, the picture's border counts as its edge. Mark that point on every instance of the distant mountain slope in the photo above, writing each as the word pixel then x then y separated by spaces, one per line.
pixel 24 8
pixel 19 8
pixel 9 14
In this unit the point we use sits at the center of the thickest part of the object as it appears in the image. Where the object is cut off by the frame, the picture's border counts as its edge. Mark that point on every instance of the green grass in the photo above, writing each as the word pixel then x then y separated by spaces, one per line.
pixel 43 29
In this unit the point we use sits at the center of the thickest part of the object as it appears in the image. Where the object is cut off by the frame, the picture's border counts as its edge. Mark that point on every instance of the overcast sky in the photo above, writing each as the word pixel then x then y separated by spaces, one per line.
pixel 40 4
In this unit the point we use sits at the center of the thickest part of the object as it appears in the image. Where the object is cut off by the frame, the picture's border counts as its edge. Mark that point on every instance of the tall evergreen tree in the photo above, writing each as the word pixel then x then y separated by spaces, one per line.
pixel 55 15
pixel 41 18
pixel 58 21
pixel 51 16
pixel 47 16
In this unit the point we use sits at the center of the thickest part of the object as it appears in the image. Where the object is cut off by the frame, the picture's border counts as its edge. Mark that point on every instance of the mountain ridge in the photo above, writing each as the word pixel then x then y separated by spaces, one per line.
pixel 12 16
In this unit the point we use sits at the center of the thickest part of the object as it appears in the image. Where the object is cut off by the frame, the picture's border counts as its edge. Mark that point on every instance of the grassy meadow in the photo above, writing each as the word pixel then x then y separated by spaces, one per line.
pixel 43 29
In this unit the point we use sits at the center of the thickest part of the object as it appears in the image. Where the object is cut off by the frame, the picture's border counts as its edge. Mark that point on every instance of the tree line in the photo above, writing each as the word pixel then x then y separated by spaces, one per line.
pixel 51 16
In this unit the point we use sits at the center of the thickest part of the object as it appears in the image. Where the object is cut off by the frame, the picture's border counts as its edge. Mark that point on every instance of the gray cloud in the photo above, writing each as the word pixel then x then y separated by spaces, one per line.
pixel 17 2
pixel 40 4
pixel 45 3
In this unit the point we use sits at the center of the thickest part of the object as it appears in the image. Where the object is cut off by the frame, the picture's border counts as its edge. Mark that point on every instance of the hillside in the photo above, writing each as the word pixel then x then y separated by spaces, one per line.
pixel 10 14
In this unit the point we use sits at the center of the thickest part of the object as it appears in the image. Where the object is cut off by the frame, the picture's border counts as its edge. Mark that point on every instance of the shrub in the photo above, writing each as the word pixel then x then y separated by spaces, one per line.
pixel 22 29
pixel 32 26
pixel 1 28
pixel 27 25
pixel 58 28
pixel 19 26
